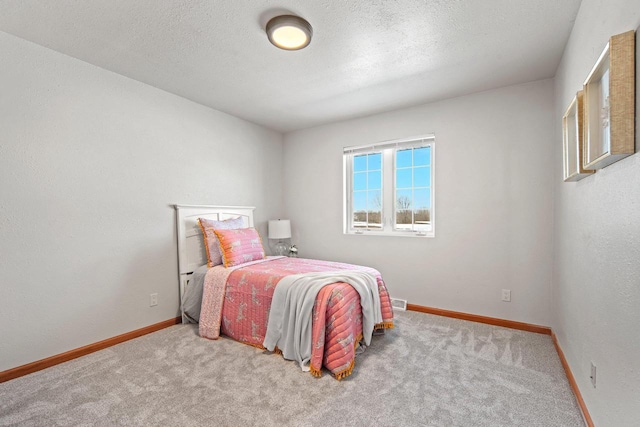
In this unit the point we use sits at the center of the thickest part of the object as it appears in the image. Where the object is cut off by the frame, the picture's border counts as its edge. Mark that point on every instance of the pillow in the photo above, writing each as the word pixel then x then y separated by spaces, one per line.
pixel 240 246
pixel 211 242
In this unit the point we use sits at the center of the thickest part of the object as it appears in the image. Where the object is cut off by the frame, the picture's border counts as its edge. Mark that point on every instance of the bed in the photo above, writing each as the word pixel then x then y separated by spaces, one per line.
pixel 237 301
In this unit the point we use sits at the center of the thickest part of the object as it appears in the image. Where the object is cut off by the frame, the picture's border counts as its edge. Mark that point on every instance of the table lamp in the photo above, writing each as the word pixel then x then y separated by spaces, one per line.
pixel 280 229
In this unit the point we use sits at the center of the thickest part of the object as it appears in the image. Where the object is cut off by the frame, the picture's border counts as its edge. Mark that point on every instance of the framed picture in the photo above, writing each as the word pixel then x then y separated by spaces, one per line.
pixel 572 138
pixel 609 104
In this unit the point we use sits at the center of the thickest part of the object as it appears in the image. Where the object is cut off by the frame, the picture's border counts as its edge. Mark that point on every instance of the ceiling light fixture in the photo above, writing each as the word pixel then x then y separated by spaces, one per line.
pixel 289 32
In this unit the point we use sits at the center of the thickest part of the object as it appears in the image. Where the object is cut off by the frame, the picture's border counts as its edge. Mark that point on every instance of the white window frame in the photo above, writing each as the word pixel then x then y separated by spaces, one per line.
pixel 388 150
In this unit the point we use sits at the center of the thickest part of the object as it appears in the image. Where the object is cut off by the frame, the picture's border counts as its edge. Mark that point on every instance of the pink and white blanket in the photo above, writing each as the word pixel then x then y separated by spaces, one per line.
pixel 236 302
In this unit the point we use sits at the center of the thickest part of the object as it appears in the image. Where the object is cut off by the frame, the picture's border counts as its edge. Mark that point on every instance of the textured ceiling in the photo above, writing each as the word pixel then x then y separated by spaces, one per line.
pixel 365 56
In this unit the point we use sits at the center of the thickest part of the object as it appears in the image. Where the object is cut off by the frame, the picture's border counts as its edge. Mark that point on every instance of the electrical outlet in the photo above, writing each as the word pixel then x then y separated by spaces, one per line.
pixel 593 374
pixel 506 295
pixel 153 300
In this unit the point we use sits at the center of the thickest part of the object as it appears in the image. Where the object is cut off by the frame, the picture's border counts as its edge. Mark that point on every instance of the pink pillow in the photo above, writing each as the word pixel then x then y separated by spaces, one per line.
pixel 240 246
pixel 211 243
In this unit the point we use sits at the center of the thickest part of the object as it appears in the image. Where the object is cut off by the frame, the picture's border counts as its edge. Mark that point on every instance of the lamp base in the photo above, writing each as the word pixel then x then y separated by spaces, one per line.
pixel 281 248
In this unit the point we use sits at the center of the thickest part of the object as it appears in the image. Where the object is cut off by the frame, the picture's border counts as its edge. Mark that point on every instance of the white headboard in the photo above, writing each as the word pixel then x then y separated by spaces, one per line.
pixel 191 250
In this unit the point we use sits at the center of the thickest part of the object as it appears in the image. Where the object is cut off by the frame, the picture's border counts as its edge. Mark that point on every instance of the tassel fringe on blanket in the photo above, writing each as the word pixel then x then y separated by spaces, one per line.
pixel 317 372
pixel 346 372
pixel 349 370
pixel 383 325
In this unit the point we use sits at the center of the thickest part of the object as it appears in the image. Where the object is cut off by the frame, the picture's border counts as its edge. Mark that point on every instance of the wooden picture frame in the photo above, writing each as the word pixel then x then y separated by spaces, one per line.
pixel 572 138
pixel 609 104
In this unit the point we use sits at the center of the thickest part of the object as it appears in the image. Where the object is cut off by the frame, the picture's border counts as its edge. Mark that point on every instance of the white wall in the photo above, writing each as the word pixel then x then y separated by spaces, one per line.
pixel 89 163
pixel 596 278
pixel 493 202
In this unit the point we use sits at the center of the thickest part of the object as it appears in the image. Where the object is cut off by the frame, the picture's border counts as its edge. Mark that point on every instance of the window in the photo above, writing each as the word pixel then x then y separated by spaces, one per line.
pixel 367 191
pixel 389 188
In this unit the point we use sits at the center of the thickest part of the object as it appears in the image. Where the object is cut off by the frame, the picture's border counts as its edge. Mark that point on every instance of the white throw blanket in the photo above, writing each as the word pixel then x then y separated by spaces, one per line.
pixel 291 315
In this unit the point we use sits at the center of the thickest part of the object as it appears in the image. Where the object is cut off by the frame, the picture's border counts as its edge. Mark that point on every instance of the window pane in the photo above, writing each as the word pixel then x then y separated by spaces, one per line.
pixel 359 181
pixel 367 191
pixel 422 198
pixel 374 208
pixel 403 158
pixel 404 203
pixel 374 220
pixel 422 156
pixel 403 178
pixel 422 206
pixel 360 201
pixel 421 177
pixel 360 209
pixel 375 161
pixel 374 200
pixel 422 218
pixel 375 181
pixel 360 219
pixel 404 199
pixel 360 163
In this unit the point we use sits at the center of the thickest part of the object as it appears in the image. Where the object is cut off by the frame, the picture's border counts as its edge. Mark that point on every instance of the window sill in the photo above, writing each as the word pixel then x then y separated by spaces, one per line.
pixel 426 234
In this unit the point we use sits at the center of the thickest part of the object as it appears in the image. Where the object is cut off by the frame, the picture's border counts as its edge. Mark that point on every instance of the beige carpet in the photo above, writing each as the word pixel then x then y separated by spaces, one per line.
pixel 429 371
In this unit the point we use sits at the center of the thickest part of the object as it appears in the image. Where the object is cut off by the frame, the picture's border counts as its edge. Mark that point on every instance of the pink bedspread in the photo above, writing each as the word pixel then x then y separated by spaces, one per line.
pixel 236 302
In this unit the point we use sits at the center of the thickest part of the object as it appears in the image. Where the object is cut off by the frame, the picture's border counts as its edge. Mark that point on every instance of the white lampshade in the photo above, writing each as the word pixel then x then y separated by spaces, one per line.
pixel 279 229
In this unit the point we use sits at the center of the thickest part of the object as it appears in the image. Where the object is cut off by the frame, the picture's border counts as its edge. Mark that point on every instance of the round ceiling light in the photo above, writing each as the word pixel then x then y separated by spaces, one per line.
pixel 289 32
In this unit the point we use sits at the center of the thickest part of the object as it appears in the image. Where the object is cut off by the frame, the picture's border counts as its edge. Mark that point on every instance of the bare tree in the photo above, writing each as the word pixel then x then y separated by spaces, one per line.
pixel 375 210
pixel 403 210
